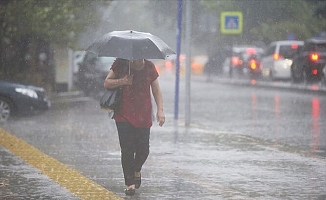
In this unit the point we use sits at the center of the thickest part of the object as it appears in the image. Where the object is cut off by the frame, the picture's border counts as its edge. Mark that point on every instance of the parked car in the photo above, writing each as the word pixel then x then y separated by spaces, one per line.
pixel 240 55
pixel 277 59
pixel 309 62
pixel 92 73
pixel 20 99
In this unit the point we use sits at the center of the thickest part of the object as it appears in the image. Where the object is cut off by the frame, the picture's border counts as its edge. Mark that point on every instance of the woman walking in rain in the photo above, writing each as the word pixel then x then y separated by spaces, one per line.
pixel 138 79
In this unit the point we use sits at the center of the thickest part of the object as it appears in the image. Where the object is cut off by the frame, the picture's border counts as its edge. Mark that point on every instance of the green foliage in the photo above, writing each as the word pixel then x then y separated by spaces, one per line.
pixel 302 22
pixel 55 21
pixel 271 31
pixel 270 20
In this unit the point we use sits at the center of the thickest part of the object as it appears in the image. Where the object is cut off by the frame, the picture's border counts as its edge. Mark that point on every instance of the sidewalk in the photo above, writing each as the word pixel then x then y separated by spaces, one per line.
pixel 20 181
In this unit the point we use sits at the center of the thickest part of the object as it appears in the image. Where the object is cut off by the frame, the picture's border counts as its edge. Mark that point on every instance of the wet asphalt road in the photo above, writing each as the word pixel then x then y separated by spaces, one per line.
pixel 294 118
pixel 243 143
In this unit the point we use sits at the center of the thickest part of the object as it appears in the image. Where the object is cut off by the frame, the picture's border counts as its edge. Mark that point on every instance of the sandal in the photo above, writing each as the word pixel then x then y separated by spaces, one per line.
pixel 137 181
pixel 130 192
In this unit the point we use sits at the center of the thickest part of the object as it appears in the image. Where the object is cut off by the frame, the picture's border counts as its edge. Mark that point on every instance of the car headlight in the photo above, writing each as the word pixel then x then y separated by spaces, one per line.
pixel 28 92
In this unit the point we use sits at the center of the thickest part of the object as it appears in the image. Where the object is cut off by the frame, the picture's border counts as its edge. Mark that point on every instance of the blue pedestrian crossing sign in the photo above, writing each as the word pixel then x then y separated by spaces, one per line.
pixel 231 22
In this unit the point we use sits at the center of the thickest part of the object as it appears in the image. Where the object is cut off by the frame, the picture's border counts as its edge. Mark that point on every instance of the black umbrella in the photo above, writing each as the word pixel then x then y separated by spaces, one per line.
pixel 130 45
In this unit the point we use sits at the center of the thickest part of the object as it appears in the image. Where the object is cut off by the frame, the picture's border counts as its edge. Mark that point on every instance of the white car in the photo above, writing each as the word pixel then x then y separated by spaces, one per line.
pixel 277 60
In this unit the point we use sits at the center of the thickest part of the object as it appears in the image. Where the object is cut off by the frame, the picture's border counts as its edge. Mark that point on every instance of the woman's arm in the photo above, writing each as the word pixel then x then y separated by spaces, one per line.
pixel 111 81
pixel 156 90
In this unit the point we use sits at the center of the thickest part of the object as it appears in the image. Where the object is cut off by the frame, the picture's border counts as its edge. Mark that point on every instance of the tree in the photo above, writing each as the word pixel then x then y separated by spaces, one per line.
pixel 30 27
pixel 302 22
pixel 269 20
pixel 55 21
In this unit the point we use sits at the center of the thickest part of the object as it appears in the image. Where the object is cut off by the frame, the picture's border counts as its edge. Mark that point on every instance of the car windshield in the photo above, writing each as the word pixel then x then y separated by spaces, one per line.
pixel 287 51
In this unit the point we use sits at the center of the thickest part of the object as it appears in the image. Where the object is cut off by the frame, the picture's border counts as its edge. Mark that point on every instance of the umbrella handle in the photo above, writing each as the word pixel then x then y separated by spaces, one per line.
pixel 129 65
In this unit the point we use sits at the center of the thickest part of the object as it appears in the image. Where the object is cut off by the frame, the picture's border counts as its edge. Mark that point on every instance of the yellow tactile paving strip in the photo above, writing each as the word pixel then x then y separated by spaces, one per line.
pixel 68 178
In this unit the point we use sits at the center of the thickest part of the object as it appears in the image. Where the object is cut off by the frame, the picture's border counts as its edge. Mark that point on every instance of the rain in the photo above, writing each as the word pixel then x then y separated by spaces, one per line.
pixel 236 126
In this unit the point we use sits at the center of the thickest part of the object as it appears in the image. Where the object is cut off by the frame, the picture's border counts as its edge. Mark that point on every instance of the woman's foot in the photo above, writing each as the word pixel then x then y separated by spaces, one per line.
pixel 137 179
pixel 130 190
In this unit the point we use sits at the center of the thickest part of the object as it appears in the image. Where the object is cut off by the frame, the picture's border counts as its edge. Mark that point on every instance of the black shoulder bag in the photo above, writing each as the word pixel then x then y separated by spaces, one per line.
pixel 112 98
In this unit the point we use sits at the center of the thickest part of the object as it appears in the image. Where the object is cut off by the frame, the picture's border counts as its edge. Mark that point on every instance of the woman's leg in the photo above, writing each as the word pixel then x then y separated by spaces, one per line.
pixel 142 147
pixel 127 144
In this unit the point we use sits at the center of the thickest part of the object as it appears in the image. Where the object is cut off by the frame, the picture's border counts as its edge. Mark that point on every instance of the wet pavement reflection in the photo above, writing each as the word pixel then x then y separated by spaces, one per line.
pixel 315 123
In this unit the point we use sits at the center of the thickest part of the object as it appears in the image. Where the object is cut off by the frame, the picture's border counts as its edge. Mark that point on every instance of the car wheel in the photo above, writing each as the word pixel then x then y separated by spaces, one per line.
pixel 5 109
pixel 297 79
pixel 271 76
pixel 230 71
pixel 294 75
pixel 323 80
pixel 323 76
pixel 305 77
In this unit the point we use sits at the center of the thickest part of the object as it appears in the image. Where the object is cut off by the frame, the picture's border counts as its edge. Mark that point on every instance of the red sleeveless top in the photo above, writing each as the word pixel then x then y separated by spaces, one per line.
pixel 136 105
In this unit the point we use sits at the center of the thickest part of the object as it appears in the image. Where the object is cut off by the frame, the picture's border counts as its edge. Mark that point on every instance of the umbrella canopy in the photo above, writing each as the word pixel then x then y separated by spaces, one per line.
pixel 130 45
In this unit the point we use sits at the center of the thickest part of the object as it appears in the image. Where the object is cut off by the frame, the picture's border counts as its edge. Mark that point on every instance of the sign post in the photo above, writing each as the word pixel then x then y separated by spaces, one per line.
pixel 188 62
pixel 177 70
pixel 231 24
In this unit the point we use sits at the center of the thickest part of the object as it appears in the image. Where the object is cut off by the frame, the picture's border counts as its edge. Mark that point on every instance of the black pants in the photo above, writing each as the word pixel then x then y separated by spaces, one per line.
pixel 134 143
